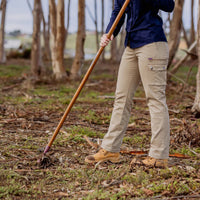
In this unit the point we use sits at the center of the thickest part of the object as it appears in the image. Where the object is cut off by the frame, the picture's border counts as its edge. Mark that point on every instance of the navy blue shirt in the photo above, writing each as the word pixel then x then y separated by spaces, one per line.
pixel 144 25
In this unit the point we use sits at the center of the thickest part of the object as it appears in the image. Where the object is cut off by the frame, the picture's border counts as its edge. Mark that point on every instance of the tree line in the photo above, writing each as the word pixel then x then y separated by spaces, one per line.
pixel 54 33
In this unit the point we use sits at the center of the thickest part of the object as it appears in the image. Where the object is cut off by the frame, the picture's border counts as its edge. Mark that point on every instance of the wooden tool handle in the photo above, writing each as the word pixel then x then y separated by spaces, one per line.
pixel 86 77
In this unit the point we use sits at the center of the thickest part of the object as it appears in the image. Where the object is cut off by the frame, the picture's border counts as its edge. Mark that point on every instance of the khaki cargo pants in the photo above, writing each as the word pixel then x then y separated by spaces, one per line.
pixel 147 64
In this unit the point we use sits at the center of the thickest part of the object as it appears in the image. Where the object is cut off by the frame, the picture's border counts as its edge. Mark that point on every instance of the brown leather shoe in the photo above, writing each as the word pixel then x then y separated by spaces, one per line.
pixel 103 155
pixel 151 162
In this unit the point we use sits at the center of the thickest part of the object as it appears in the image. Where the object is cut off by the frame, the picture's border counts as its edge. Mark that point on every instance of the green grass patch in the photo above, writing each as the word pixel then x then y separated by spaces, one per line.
pixel 102 194
pixel 75 134
pixel 12 185
pixel 182 74
pixel 90 96
pixel 45 97
pixel 15 100
pixel 78 130
pixel 186 151
pixel 104 76
pixel 63 91
pixel 96 118
pixel 12 70
pixel 136 139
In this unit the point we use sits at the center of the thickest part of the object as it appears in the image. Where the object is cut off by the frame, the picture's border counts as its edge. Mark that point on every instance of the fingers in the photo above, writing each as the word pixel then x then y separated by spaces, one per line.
pixel 112 37
pixel 105 41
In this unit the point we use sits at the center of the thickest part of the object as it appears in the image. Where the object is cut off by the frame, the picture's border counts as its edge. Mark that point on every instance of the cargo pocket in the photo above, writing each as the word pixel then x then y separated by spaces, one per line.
pixel 157 71
pixel 157 77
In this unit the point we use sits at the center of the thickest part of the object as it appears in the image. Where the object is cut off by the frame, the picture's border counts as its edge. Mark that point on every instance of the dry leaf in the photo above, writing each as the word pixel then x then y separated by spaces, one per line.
pixel 148 192
pixel 61 194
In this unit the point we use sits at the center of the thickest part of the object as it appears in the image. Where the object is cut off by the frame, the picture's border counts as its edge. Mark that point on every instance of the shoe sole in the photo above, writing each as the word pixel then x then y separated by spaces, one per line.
pixel 113 160
pixel 154 165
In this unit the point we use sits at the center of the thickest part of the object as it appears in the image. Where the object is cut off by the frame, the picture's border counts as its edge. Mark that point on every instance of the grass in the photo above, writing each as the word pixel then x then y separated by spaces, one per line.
pixel 74 134
pixel 91 96
pixel 186 151
pixel 81 131
pixel 12 70
pixel 96 117
pixel 137 139
pixel 182 74
pixel 95 181
pixel 40 109
pixel 103 76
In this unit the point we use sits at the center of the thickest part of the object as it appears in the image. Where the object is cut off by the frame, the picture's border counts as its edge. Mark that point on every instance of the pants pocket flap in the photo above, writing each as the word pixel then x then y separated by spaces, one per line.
pixel 157 67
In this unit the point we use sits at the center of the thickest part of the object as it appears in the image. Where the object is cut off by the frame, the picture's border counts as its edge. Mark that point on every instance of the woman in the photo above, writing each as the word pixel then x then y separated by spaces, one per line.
pixel 145 59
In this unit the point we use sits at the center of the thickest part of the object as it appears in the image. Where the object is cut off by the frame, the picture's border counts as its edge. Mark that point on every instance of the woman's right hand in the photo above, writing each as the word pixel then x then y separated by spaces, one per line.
pixel 105 41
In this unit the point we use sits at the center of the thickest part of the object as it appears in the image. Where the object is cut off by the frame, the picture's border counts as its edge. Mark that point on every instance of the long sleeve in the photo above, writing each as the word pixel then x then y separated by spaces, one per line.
pixel 117 8
pixel 165 5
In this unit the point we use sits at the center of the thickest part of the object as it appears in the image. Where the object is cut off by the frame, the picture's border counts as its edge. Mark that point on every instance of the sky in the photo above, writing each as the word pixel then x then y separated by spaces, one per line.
pixel 19 16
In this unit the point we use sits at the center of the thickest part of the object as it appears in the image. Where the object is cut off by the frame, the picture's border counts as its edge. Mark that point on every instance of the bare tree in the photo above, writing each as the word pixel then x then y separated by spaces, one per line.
pixel 166 23
pixel 95 20
pixel 192 29
pixel 196 106
pixel 36 46
pixel 189 38
pixel 2 31
pixel 182 60
pixel 80 40
pixel 185 36
pixel 67 26
pixel 113 49
pixel 96 25
pixel 57 34
pixel 46 32
pixel 175 29
pixel 29 5
pixel 46 36
pixel 102 26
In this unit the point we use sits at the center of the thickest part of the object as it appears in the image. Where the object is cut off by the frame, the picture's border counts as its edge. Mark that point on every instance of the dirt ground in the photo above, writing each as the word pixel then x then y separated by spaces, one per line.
pixel 30 114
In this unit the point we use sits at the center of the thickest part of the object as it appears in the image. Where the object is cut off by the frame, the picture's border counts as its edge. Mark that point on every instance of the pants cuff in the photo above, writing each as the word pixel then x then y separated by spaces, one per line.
pixel 113 150
pixel 157 155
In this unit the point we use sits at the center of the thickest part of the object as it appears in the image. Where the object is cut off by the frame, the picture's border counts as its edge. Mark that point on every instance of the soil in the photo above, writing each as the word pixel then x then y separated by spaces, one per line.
pixel 27 126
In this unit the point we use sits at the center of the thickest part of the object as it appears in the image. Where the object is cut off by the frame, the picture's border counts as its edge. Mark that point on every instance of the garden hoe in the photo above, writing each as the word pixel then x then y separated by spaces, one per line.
pixel 45 160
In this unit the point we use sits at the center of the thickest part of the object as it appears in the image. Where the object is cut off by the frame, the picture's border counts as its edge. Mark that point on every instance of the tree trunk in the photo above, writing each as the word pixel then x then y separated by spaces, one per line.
pixel 46 37
pixel 185 36
pixel 96 24
pixel 113 49
pixel 36 50
pixel 67 27
pixel 57 34
pixel 60 33
pixel 2 31
pixel 95 21
pixel 79 57
pixel 102 27
pixel 181 61
pixel 175 30
pixel 196 106
pixel 192 30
